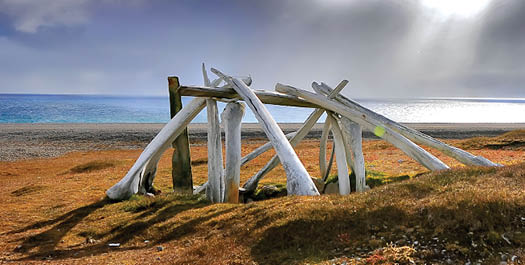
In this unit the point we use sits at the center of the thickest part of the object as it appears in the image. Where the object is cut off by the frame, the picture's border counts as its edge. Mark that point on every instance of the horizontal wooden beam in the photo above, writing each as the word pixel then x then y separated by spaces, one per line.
pixel 267 97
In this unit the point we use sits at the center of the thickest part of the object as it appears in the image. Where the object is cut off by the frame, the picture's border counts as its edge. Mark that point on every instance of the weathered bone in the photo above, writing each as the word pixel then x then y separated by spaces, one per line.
pixel 346 141
pixel 231 118
pixel 215 188
pixel 414 135
pixel 252 183
pixel 261 149
pixel 340 157
pixel 353 134
pixel 412 150
pixel 298 180
pixel 322 147
pixel 129 185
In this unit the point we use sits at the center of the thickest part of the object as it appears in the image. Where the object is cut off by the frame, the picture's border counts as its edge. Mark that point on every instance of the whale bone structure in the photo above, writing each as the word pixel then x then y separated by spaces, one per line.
pixel 345 119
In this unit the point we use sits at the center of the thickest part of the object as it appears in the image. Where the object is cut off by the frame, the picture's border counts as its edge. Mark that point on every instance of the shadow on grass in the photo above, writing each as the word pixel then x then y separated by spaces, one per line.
pixel 318 239
pixel 43 245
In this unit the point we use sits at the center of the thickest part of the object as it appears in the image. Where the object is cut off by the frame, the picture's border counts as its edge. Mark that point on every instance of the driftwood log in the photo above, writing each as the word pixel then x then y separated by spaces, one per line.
pixel 298 181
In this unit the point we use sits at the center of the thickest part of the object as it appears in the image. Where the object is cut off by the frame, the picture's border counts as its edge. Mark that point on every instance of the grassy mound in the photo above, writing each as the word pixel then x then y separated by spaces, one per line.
pixel 514 140
pixel 458 215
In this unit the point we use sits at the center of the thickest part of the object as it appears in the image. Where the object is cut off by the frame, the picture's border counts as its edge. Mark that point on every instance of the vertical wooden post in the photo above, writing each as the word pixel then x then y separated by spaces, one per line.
pixel 181 159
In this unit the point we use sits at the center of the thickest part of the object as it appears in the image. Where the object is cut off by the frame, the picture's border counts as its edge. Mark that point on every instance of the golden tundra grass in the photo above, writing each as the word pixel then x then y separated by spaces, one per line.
pixel 55 210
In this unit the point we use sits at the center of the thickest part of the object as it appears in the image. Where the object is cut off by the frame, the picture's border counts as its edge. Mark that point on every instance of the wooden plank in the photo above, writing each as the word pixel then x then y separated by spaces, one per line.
pixel 181 159
pixel 267 97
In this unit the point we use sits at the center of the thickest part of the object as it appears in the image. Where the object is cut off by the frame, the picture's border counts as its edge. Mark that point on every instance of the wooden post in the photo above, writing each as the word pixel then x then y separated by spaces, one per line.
pixel 181 159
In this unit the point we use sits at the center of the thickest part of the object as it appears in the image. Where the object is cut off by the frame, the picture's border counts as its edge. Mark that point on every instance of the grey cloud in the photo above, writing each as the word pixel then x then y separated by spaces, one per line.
pixel 386 48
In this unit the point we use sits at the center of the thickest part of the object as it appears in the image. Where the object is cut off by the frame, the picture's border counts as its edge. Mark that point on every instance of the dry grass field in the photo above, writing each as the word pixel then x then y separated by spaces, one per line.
pixel 55 211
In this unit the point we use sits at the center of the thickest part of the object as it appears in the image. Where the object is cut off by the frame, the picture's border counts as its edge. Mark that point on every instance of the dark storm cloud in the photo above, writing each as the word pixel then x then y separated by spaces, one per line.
pixel 388 48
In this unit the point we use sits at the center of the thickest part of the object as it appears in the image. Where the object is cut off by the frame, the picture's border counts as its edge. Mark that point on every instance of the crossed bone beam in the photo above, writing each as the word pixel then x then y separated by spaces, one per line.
pixel 412 150
pixel 414 135
pixel 298 181
pixel 252 183
pixel 345 119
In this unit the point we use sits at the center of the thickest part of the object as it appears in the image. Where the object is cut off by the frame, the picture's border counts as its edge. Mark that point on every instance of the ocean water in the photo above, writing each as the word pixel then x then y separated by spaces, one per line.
pixel 31 108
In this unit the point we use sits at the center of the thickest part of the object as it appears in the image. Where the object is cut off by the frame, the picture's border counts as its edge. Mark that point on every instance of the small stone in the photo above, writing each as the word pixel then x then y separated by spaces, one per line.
pixel 346 249
pixel 503 257
pixel 449 261
pixel 149 194
pixel 160 248
pixel 146 241
pixel 114 245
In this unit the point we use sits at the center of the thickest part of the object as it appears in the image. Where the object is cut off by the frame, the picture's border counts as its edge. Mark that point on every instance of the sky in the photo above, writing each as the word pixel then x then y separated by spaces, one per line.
pixel 385 48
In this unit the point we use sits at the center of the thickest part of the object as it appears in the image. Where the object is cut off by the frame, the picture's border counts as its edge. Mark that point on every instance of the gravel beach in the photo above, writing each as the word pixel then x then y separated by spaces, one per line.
pixel 23 141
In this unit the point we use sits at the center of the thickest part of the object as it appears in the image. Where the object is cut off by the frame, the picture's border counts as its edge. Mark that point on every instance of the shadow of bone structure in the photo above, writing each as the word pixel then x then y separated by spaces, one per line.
pixel 347 119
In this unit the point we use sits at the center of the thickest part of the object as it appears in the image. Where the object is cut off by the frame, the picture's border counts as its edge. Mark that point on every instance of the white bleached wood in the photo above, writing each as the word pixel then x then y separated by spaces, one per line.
pixel 340 157
pixel 129 185
pixel 200 189
pixel 414 135
pixel 412 150
pixel 252 183
pixel 245 79
pixel 216 82
pixel 353 134
pixel 298 181
pixel 346 142
pixel 261 149
pixel 215 188
pixel 231 118
pixel 205 76
pixel 322 147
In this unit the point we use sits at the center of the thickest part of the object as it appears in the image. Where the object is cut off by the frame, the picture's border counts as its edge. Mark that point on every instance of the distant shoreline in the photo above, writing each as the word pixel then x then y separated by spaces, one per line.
pixel 40 140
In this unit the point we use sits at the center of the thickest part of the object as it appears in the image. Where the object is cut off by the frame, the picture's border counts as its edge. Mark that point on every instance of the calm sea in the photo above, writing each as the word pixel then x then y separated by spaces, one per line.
pixel 28 108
